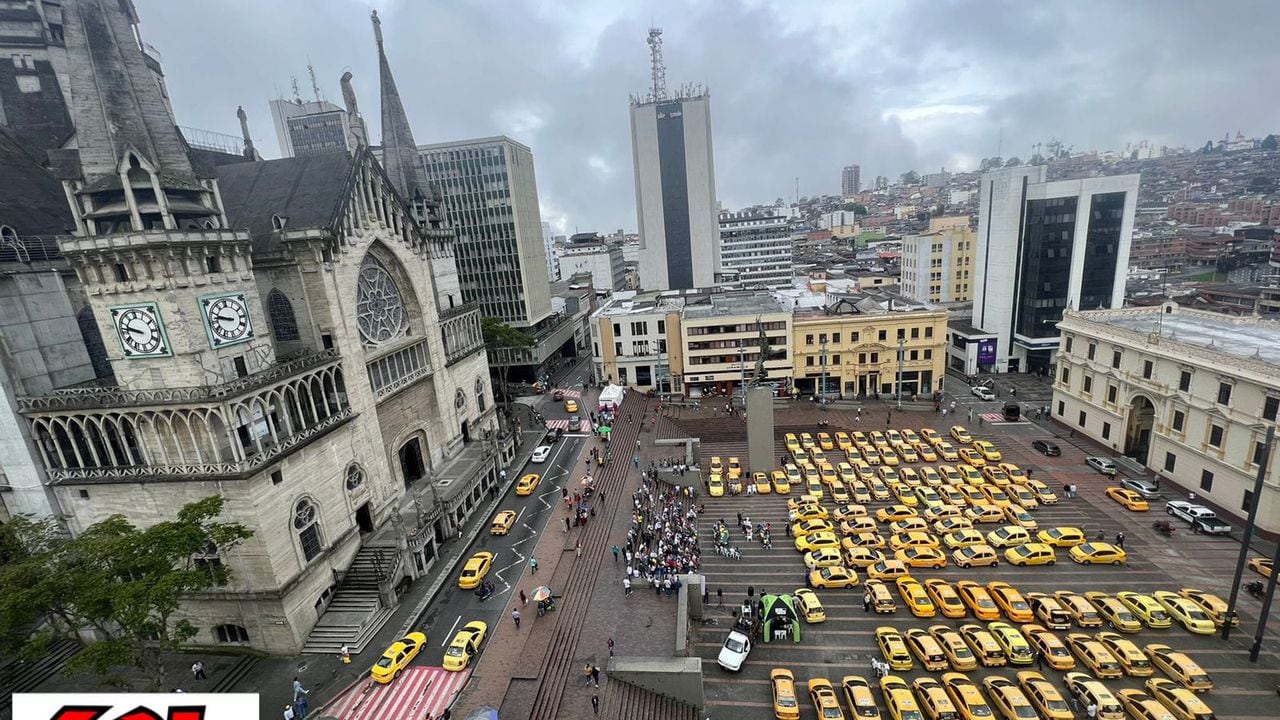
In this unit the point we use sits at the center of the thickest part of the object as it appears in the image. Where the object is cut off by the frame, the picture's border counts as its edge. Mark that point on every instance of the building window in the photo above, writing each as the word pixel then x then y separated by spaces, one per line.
pixel 283 323
pixel 354 477
pixel 1106 431
pixel 1088 385
pixel 835 359
pixel 902 333
pixel 277 477
pixel 915 333
pixel 617 348
pixel 915 355
pixel 229 634
pixel 1215 436
pixel 1224 393
pixel 622 376
pixel 1179 418
pixel 862 358
pixel 808 361
pixel 1112 391
pixel 122 272
pixel 1066 375
pixel 1246 504
pixel 1206 480
pixel 480 403
pixel 1093 350
pixel 822 338
pixel 640 328
pixel 307 524
pixel 212 264
pixel 1062 408
pixel 808 339
pixel 928 354
pixel 1146 369
pixel 1115 359
pixel 617 329
pixel 884 335
pixel 242 367
pixel 1184 381
pixel 1270 407
pixel 1083 417
pixel 875 358
pixel 1069 343
pixel 1170 460
pixel 1259 452
pixel 835 337
pixel 854 338
pixel 662 327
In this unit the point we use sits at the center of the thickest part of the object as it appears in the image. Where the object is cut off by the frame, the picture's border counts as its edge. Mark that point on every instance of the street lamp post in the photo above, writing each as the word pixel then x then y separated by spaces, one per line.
pixel 902 341
pixel 822 390
pixel 742 362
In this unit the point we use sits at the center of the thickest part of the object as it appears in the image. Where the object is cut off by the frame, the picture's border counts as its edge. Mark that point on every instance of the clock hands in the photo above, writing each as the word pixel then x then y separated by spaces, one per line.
pixel 136 331
pixel 231 318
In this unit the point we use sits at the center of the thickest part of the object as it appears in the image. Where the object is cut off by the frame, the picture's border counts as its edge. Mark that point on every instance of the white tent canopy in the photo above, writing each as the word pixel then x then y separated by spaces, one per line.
pixel 612 395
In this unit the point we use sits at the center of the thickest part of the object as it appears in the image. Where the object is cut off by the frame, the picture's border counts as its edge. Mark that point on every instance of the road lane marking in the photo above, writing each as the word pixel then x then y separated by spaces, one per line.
pixel 449 636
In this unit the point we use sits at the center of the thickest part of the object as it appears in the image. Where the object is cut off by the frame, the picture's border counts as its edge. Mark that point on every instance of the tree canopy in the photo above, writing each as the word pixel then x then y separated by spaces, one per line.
pixel 121 583
pixel 498 334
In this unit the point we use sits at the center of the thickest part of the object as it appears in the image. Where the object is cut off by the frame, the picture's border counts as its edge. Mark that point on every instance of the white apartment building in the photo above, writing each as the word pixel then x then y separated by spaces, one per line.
pixel 755 249
pixel 589 253
pixel 549 246
pixel 1188 393
pixel 1044 247
pixel 633 337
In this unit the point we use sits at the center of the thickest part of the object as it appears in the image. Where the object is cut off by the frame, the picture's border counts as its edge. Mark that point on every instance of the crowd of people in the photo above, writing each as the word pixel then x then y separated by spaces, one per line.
pixel 663 539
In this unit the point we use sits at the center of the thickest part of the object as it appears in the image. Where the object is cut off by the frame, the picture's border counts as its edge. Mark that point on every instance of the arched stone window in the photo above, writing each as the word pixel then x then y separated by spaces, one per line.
pixel 480 404
pixel 231 634
pixel 306 522
pixel 283 322
pixel 354 477
pixel 460 400
pixel 381 314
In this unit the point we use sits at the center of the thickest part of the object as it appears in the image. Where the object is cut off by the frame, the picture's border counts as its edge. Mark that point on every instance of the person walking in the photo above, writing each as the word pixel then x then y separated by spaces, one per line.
pixel 515 616
pixel 533 566
pixel 595 703
pixel 524 599
pixel 626 586
pixel 866 602
pixel 566 522
pixel 298 690
pixel 197 670
pixel 288 713
pixel 1091 711
pixel 720 598
pixel 345 652
pixel 610 647
pixel 578 549
pixel 300 708
pixel 595 675
pixel 1039 661
pixel 1120 540
pixel 616 552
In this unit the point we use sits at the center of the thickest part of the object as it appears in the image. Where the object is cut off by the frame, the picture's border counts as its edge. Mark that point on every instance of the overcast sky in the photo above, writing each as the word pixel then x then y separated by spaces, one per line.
pixel 798 88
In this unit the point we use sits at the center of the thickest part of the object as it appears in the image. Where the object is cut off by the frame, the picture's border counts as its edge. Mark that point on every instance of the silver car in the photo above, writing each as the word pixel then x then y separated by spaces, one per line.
pixel 1102 465
pixel 1145 488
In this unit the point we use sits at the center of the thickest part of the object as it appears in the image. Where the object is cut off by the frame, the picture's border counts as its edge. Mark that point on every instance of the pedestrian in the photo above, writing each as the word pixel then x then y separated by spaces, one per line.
pixel 616 552
pixel 288 712
pixel 515 615
pixel 524 599
pixel 720 598
pixel 566 524
pixel 578 549
pixel 610 647
pixel 626 586
pixel 345 652
pixel 298 690
pixel 595 703
pixel 970 414
pixel 300 708
pixel 706 596
pixel 595 675
pixel 533 566
pixel 1120 540
pixel 197 669
pixel 1091 711
pixel 1039 661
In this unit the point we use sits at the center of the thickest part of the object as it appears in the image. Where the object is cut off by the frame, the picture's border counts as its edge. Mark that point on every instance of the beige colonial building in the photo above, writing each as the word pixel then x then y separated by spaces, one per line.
pixel 636 341
pixel 287 334
pixel 720 339
pixel 1188 393
pixel 937 266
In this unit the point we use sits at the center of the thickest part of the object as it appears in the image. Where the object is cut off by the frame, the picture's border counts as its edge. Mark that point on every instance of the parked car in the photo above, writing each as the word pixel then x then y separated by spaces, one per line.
pixel 736 648
pixel 1012 412
pixel 1211 525
pixel 1202 519
pixel 1102 465
pixel 541 453
pixel 1145 488
pixel 984 393
pixel 1048 448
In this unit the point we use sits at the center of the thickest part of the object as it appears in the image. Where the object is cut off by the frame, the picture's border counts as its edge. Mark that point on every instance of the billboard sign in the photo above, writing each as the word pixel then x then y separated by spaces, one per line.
pixel 987 351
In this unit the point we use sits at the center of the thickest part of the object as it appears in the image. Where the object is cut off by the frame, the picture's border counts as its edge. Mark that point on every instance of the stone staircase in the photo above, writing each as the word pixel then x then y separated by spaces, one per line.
pixel 624 701
pixel 356 611
pixel 19 676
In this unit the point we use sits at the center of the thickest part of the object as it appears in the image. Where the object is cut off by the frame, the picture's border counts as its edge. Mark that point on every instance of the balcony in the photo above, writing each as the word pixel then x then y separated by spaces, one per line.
pixel 460 329
pixel 399 367
pixel 197 433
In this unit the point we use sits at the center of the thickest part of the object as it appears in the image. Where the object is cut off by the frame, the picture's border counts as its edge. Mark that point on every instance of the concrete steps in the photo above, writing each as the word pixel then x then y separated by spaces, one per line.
pixel 624 701
pixel 356 612
pixel 227 682
pixel 22 676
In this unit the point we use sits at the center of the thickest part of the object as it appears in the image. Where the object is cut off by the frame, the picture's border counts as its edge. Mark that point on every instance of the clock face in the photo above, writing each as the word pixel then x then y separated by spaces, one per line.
pixel 141 330
pixel 227 318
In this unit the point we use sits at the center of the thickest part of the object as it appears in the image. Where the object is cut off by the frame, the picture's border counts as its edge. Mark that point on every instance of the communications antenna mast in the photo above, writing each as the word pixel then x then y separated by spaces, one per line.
pixel 315 86
pixel 655 58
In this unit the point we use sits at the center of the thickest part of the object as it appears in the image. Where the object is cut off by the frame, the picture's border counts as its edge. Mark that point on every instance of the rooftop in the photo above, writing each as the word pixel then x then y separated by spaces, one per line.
pixel 731 303
pixel 1247 337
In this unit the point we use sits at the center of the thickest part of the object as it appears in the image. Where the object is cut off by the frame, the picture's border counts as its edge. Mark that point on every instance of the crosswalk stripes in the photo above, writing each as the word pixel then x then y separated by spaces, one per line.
pixel 569 394
pixel 557 424
pixel 417 693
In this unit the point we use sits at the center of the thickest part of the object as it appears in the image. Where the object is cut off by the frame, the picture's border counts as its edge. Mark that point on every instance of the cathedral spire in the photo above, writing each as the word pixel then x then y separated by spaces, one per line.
pixel 249 150
pixel 399 151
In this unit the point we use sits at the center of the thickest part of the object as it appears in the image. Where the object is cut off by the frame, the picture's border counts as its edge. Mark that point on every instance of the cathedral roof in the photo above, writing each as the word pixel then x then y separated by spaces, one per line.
pixel 32 201
pixel 304 191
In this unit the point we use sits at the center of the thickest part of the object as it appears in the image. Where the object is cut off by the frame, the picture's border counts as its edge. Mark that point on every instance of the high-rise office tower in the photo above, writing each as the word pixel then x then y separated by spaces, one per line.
pixel 491 202
pixel 1044 247
pixel 675 183
pixel 755 248
pixel 850 180
pixel 310 127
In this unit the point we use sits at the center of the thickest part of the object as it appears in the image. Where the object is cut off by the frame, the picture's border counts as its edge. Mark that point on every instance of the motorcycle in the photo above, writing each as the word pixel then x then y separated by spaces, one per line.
pixel 1254 588
pixel 485 591
pixel 1164 527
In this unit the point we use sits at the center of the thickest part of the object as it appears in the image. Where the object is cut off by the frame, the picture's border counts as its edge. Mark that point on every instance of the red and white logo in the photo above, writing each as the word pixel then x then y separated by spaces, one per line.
pixel 129 706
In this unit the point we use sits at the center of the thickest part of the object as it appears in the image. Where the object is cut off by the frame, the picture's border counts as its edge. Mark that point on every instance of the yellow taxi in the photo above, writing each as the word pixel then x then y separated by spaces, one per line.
pixel 1015 473
pixel 1145 608
pixel 1089 690
pixel 1008 536
pixel 1062 537
pixel 925 451
pixel 952 495
pixel 792 442
pixel 1212 605
pixel 961 435
pixel 794 476
pixel 994 475
pixel 1179 666
pixel 1010 601
pixel 890 569
pixel 865 539
pixel 783 684
pixel 916 598
pixel 879 439
pixel 717 465
pixel 954 647
pixel 930 476
pixel 735 468
pixel 995 496
pixel 825 441
pixel 1015 646
pixel 975 556
pixel 1055 654
pixel 907 453
pixel 950 475
pixel 921 557
pixel 909 477
pixel 1114 612
pixel 474 571
pixel 859 492
pixel 892 648
pixel 809 606
pixel 1049 611
pixel 843 441
pixel 909 525
pixel 944 511
pixel 1020 517
pixel 929 434
pixel 933 698
pixel 859 556
pixel 978 599
pixel 966 696
pixel 870 455
pixel 1007 698
pixel 1097 553
pixel 397 657
pixel 895 512
pixel 926 649
pixel 1183 703
pixel 817 456
pixel 971 457
pixel 944 598
pixel 848 511
pixel 1262 566
pixel 715 485
pixel 857 693
pixel 857 526
pixel 1031 554
pixel 887 474
pixel 1022 495
pixel 846 472
pixel 781 483
pixel 888 456
pixel 1188 614
pixel 1044 696
pixel 952 524
pixel 988 451
pixel 571 406
pixel 816 540
pixel 824 699
pixel 502 522
pixel 823 557
pixel 1131 658
pixel 864 471
pixel 761 481
pixel 1082 612
pixel 464 646
pixel 1094 656
pixel 807 442
pixel 898 698
pixel 904 495
pixel 833 576
pixel 1142 706
pixel 1043 494
pixel 983 513
pixel 528 483
pixel 800 528
pixel 1129 499
pixel 946 451
pixel 912 539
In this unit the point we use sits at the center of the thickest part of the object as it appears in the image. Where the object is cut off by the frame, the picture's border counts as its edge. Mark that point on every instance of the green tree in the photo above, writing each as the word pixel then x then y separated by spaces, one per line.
pixel 122 583
pixel 991 163
pixel 1014 161
pixel 855 208
pixel 501 336
pixel 1269 142
pixel 910 177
